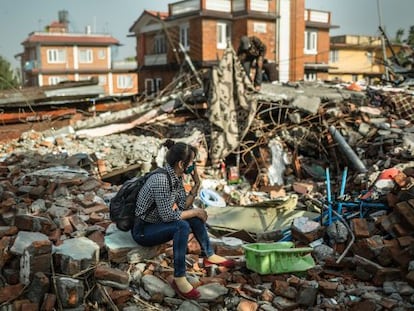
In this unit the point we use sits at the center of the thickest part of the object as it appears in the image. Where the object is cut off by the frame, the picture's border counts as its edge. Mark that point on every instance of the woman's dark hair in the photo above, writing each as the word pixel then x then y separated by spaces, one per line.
pixel 179 152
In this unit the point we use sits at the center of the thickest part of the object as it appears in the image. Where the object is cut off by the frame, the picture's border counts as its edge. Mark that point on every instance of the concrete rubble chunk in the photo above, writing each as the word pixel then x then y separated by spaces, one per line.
pixel 154 285
pixel 122 247
pixel 211 291
pixel 305 103
pixel 70 292
pixel 24 239
pixel 77 254
pixel 37 257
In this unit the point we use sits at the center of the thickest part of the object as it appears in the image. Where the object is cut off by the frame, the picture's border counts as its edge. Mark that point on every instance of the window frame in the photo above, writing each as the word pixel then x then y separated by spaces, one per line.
pixel 89 56
pixel 56 56
pixel 334 56
pixel 160 44
pixel 124 82
pixel 102 54
pixel 185 36
pixel 311 41
pixel 223 34
pixel 54 80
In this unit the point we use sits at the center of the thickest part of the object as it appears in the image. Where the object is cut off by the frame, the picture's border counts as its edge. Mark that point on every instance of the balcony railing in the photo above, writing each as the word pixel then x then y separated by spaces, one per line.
pixel 30 65
pixel 155 59
pixel 317 16
pixel 227 6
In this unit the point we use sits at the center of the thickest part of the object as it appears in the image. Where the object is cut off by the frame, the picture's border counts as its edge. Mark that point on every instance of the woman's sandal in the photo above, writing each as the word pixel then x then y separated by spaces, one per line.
pixel 192 294
pixel 227 263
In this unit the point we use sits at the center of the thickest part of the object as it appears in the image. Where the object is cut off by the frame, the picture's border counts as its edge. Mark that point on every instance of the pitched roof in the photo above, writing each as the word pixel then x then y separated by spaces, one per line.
pixel 70 38
pixel 149 15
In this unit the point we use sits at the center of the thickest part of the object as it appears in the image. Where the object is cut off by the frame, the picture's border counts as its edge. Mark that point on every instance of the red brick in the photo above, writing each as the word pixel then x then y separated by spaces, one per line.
pixel 360 227
pixel 103 272
pixel 49 302
pixel 10 292
pixel 247 305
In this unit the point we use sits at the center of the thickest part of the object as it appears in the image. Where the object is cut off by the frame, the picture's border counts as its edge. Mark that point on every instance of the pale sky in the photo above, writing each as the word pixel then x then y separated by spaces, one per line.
pixel 20 17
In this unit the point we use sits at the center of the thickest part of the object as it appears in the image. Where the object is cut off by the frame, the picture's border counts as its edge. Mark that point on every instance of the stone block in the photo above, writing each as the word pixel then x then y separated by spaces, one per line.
pixel 5 255
pixel 328 288
pixel 120 297
pixel 49 302
pixel 8 231
pixel 247 305
pixel 70 291
pixel 34 224
pixel 406 210
pixel 78 223
pixel 77 254
pixel 10 292
pixel 24 239
pixel 307 296
pixel 99 208
pixel 360 228
pixel 283 289
pixel 103 272
pixel 37 289
pixel 37 257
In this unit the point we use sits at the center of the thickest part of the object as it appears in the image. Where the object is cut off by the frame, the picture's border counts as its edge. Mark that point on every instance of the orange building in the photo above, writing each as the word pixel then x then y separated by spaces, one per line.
pixel 57 55
pixel 297 40
pixel 358 58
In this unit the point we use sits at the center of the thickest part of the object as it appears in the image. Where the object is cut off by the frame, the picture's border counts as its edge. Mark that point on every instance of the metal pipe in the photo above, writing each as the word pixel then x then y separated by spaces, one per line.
pixel 350 154
pixel 328 194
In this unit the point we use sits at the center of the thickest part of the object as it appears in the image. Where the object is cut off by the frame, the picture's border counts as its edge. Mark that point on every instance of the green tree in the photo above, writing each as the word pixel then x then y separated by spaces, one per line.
pixel 410 39
pixel 8 79
pixel 399 35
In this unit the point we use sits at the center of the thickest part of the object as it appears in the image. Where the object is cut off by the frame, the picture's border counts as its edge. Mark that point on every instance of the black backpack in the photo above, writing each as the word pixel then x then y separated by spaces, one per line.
pixel 122 205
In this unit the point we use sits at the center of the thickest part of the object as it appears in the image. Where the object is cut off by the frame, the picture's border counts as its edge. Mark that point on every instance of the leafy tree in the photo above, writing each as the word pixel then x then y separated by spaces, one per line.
pixel 8 79
pixel 399 35
pixel 410 39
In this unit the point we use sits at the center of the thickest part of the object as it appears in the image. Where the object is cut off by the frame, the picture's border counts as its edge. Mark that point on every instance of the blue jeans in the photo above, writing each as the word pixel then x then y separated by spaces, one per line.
pixel 148 234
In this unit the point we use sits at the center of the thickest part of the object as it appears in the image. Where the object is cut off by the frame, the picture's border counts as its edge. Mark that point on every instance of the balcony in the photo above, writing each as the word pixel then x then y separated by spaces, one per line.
pixel 155 59
pixel 224 6
pixel 30 65
pixel 318 17
pixel 124 65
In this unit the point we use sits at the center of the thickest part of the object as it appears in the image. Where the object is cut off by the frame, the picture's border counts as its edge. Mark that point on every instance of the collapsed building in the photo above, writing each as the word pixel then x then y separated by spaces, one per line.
pixel 308 186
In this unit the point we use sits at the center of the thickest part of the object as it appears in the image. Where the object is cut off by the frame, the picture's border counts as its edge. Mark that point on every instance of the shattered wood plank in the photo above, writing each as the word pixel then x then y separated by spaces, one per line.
pixel 122 127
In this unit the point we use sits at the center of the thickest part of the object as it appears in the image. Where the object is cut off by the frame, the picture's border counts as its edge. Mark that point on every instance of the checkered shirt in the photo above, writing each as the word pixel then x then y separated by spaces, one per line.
pixel 157 189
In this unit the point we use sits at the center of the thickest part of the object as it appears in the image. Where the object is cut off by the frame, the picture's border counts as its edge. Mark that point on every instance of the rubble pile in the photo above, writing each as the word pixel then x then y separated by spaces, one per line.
pixel 58 248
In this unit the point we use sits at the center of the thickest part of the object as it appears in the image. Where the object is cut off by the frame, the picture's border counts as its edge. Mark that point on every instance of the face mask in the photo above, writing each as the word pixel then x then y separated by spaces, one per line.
pixel 190 169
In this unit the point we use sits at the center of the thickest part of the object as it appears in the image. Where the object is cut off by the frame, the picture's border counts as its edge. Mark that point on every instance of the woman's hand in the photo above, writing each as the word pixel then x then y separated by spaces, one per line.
pixel 201 213
pixel 196 177
pixel 195 212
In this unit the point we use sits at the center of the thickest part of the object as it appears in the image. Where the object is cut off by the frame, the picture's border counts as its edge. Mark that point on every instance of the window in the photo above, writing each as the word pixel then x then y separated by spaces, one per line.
pixel 158 85
pixel 354 78
pixel 153 86
pixel 124 82
pixel 56 56
pixel 311 42
pixel 370 57
pixel 223 34
pixel 159 45
pixel 333 56
pixel 102 54
pixel 55 80
pixel 102 80
pixel 149 86
pixel 85 56
pixel 184 36
pixel 310 76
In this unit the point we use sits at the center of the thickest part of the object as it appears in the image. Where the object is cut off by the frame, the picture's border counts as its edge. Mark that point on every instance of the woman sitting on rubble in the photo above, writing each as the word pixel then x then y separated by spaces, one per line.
pixel 174 218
